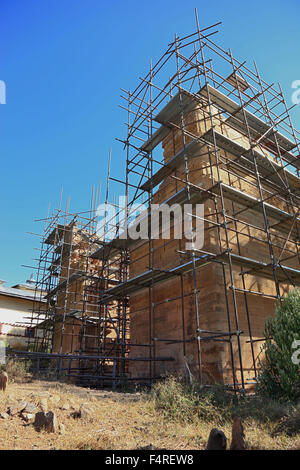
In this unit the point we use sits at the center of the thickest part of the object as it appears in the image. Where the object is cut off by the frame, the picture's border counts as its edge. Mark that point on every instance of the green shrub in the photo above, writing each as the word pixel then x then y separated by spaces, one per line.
pixel 279 376
pixel 174 399
pixel 17 369
pixel 181 402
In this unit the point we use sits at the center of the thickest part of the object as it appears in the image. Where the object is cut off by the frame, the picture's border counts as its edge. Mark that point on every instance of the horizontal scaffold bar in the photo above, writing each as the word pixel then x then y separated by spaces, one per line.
pixel 258 268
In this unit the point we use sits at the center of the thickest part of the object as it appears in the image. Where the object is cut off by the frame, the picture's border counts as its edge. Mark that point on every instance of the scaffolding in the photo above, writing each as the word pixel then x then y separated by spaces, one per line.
pixel 229 143
pixel 78 338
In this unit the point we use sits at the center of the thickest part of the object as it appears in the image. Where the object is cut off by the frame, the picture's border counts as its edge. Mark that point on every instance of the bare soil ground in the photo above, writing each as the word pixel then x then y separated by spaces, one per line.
pixel 117 421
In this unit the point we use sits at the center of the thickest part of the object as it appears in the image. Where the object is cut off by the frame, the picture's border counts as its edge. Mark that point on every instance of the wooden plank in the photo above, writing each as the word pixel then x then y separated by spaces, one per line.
pixel 192 151
pixel 257 126
pixel 170 113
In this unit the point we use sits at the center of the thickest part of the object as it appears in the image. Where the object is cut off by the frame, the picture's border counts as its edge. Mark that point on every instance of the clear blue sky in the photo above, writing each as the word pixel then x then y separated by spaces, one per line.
pixel 64 62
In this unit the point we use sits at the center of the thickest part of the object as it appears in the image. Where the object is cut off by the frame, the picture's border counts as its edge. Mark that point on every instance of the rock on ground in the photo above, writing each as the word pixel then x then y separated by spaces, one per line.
pixel 27 417
pixel 217 440
pixel 46 421
pixel 15 409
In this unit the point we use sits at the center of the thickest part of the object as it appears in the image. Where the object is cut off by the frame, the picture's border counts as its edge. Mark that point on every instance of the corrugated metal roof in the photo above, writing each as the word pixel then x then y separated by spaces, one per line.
pixel 19 293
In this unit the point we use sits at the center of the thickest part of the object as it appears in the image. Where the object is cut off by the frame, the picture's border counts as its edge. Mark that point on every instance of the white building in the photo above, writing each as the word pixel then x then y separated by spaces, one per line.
pixel 16 304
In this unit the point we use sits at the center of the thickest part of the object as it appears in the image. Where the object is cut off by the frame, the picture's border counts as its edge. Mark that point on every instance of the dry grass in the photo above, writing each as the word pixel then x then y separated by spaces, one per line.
pixel 120 421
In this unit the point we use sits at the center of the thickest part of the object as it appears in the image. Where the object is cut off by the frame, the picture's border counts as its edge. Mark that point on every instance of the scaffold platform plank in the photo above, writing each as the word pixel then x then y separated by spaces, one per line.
pixel 257 126
pixel 56 233
pixel 156 275
pixel 200 195
pixel 284 218
pixel 182 101
pixel 268 167
pixel 261 269
pixel 62 285
pixel 197 195
pixel 110 248
pixel 257 268
pixel 192 150
pixel 170 113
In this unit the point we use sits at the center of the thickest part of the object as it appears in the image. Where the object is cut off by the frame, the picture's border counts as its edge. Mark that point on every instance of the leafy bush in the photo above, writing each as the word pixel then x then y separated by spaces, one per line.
pixel 279 377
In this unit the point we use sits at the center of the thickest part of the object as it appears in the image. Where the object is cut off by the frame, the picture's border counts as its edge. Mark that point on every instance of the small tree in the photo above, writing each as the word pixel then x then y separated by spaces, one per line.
pixel 279 375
